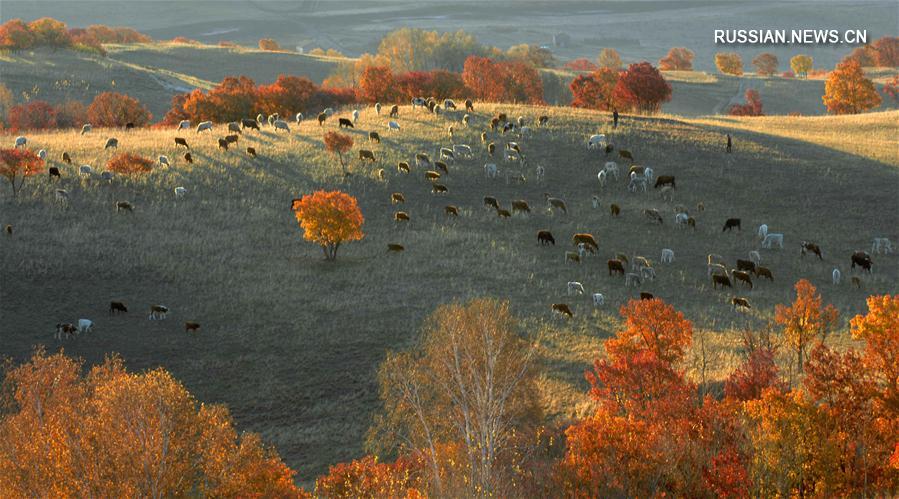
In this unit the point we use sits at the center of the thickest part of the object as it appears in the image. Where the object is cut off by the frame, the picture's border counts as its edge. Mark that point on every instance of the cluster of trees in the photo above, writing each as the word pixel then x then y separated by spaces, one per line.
pixel 753 106
pixel 16 35
pixel 678 58
pixel 883 53
pixel 848 91
pixel 110 109
pixel 641 87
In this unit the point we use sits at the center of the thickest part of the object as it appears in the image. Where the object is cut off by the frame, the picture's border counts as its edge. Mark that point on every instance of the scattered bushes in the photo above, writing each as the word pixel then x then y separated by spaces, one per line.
pixel 16 35
pixel 127 163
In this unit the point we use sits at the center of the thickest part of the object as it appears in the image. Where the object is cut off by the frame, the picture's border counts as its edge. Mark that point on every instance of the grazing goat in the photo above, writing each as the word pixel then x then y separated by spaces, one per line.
pixel 232 139
pixel 716 268
pixel 462 150
pixel 298 118
pixel 62 197
pixel 561 309
pixel 451 210
pixel 648 273
pixel 741 276
pixel 722 280
pixel 374 137
pixel 615 265
pixel 503 213
pixel 164 160
pixel 836 276
pixel 667 193
pixel 555 203
pixel 395 248
pixel 392 125
pixel 764 272
pixel 611 168
pixel 204 125
pixel 378 108
pixel 111 142
pixel 183 124
pixel 158 312
pixel 366 154
pixel 234 127
pixel 85 325
pixel 575 287
pixel 598 299
pixel 181 142
pixel 449 104
pixel 442 166
pixel 491 148
pixel 667 255
pixel 747 265
pixel 772 239
pixel 124 206
pixel 117 306
pixel 615 210
pixel 469 106
pixel 21 141
pixel 543 120
pixel 394 111
pixel 601 176
pixel 321 118
pixel 587 239
pixel 397 197
pixel 180 192
pixel 86 128
pixel 401 216
pixel 106 176
pixel 809 247
pixel 248 123
pixel 715 258
pixel 545 237
pixel 355 116
pixel 595 201
pixel 743 303
pixel 730 223
pixel 42 154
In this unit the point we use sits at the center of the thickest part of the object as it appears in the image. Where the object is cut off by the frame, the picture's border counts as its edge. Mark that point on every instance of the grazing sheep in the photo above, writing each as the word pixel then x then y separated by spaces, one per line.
pixel 181 142
pixel 649 173
pixel 722 280
pixel 232 139
pixel 462 150
pixel 439 189
pixel 730 223
pixel 503 213
pixel 366 154
pixel 466 119
pixel 66 158
pixel 743 303
pixel 203 126
pixel 648 273
pixel 272 119
pixel 763 231
pixel 571 256
pixel 447 154
pixel 111 142
pixel 85 171
pixel 117 306
pixel 164 160
pixel 422 160
pixel 344 123
pixel 490 170
pixel 861 259
pixel 62 197
pixel 449 104
pixel 615 210
pixel 653 215
pixel 397 197
pixel 223 144
pixel 85 325
pixel 741 276
pixel 53 172
pixel 440 165
pixel 234 127
pixel 520 206
pixel 587 239
pixel 772 239
pixel 543 120
pixel 611 168
pixel 188 157
pixel 403 167
pixel 281 125
pixel 491 202
pixel 561 309
pixel 180 192
pixel 755 257
pixel 681 219
pixel 158 312
pixel 298 118
pixel 857 282
pixel 575 287
pixel 545 237
pixel 374 137
pixel 21 141
pixel 321 118
pixel 393 125
pixel 251 151
pixel 124 206
pixel 764 272
pixel 597 141
pixel 598 299
pixel 632 278
pixel 419 102
pixel 636 182
pixel 665 180
pixel 401 216
pixel 42 154
pixel 636 170
pixel 191 326
pixel 432 175
pixel 667 255
pixel 555 203
pixel 809 247
pixel 881 245
pixel 183 124
pixel 451 210
pixel 615 265
pixel 836 276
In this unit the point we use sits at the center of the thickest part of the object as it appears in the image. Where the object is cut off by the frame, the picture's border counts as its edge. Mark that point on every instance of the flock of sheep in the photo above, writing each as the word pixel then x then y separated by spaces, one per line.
pixel 635 269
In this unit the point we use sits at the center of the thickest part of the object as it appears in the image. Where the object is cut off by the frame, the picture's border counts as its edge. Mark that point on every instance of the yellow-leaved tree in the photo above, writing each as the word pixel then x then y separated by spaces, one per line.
pixel 329 218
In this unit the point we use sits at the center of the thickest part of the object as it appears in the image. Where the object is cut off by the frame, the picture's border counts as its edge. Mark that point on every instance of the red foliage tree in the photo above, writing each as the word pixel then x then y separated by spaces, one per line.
pixel 50 33
pixel 367 477
pixel 15 35
pixel 34 115
pixel 339 144
pixel 754 376
pixel 886 51
pixel 504 81
pixel 765 64
pixel 232 99
pixel 753 106
pixel 286 96
pixel 127 163
pixel 891 89
pixel 643 88
pixel 582 64
pixel 269 44
pixel 595 91
pixel 114 109
pixel 71 114
pixel 333 97
pixel 678 58
pixel 81 38
pixel 438 83
pixel 18 164
pixel 376 84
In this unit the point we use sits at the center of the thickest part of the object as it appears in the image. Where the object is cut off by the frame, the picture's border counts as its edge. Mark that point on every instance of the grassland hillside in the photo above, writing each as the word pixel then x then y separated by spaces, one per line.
pixel 291 342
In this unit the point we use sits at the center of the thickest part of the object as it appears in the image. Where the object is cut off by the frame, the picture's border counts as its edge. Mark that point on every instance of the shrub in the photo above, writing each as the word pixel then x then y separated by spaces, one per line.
pixel 678 58
pixel 34 115
pixel 581 64
pixel 329 219
pixel 19 163
pixel 71 114
pixel 129 164
pixel 753 106
pixel 439 83
pixel 502 81
pixel 114 109
pixel 269 44
pixel 609 58
pixel 595 91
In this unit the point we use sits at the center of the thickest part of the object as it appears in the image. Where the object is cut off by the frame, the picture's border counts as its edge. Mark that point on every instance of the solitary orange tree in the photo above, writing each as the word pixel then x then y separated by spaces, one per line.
pixel 729 63
pixel 847 91
pixel 806 320
pixel 329 219
pixel 19 164
pixel 112 433
pixel 339 144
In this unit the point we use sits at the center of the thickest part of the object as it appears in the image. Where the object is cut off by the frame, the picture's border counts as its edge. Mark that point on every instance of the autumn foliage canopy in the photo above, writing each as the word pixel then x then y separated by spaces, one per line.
pixel 18 164
pixel 329 218
pixel 729 63
pixel 115 110
pixel 848 91
pixel 502 81
pixel 678 58
pixel 753 106
pixel 641 88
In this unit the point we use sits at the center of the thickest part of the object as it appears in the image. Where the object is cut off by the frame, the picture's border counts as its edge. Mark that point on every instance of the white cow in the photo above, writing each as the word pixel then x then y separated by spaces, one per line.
pixel 183 124
pixel 836 276
pixel 85 325
pixel 667 255
pixel 204 125
pixel 21 140
pixel 490 170
pixel 393 125
pixel 575 287
pixel 772 239
pixel 597 141
pixel 598 299
pixel 180 192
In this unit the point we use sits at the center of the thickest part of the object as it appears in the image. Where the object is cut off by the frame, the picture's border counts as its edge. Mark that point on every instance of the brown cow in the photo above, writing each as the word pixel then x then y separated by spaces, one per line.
pixel 723 280
pixel 625 154
pixel 562 309
pixel 249 123
pixel 743 303
pixel 394 111
pixel 742 276
pixel 117 306
pixel 344 123
pixel 251 151
pixel 588 241
pixel 321 118
pixel 491 201
pixel 397 197
pixel 232 139
pixel 863 260
pixel 730 223
pixel 178 142
pixel 451 210
pixel 191 326
pixel 615 210
pixel 646 296
pixel 374 137
pixel 439 189
pixel 401 216
pixel 616 266
pixel 188 157
pixel 366 154
pixel 432 175
pixel 403 167
pixel 520 205
pixel 545 237
pixel 68 159
pixel 223 144
pixel 764 272
pixel 395 248
pixel 665 180
pixel 747 265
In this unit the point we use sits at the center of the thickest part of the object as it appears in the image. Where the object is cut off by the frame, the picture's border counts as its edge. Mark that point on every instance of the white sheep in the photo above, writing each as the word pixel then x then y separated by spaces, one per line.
pixel 681 220
pixel 86 128
pixel 598 299
pixel 85 325
pixel 881 245
pixel 281 125
pixel 393 125
pixel 419 102
pixel 462 150
pixel 490 170
pixel 449 104
pixel 298 118
pixel 836 276
pixel 164 160
pixel 85 170
pixel 597 141
pixel 111 142
pixel 755 257
pixel 447 154
pixel 601 176
pixel 611 168
pixel 667 255
pixel 180 192
pixel 595 202
pixel 637 182
pixel 183 124
pixel 575 287
pixel 377 108
pixel 355 115
pixel 204 125
pixel 648 273
pixel 21 140
pixel 771 239
pixel 763 231
pixel 648 173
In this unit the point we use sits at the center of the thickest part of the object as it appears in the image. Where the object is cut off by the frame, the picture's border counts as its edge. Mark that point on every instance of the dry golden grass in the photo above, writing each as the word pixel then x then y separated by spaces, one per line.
pixel 291 342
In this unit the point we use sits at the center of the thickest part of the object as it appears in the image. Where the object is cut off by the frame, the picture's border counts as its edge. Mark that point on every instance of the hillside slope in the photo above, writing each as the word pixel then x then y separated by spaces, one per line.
pixel 291 343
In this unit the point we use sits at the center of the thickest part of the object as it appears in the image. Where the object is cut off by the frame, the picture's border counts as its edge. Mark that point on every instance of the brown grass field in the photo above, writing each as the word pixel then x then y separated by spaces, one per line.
pixel 291 343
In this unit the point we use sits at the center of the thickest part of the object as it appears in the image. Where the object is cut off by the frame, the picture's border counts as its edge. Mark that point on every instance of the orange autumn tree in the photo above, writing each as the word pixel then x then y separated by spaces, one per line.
pixel 112 433
pixel 19 164
pixel 848 91
pixel 377 85
pixel 339 144
pixel 765 63
pixel 368 477
pixel 678 58
pixel 729 63
pixel 329 218
pixel 806 320
pixel 114 109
